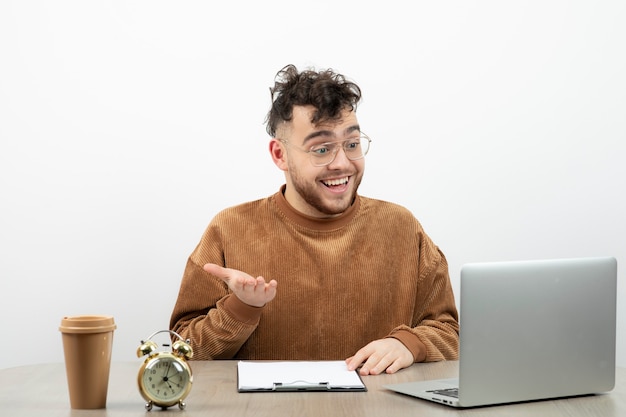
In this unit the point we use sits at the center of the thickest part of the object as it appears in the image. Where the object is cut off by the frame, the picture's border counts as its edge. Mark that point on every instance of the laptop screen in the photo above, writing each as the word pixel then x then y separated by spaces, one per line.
pixel 537 329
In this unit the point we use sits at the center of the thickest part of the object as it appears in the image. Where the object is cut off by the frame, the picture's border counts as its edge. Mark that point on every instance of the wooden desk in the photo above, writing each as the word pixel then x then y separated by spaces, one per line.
pixel 41 390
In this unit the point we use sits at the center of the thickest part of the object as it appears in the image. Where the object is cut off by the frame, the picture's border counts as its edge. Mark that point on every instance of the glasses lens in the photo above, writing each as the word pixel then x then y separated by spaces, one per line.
pixel 357 149
pixel 354 149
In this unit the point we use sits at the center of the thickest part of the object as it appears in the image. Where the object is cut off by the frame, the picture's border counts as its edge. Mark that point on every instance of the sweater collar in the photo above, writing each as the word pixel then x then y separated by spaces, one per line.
pixel 315 223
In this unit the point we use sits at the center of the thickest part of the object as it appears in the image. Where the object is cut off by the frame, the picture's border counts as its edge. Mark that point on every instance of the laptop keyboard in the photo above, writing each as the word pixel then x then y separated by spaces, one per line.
pixel 449 392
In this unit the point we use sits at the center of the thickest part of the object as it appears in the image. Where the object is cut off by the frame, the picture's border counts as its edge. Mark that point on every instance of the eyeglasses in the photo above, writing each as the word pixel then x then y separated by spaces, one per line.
pixel 324 153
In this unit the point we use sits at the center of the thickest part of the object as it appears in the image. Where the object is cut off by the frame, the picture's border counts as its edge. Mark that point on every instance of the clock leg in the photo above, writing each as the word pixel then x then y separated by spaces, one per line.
pixel 181 404
pixel 149 406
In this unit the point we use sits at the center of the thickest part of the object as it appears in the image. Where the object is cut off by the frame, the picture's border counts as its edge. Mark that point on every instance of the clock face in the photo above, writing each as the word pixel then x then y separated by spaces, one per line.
pixel 165 380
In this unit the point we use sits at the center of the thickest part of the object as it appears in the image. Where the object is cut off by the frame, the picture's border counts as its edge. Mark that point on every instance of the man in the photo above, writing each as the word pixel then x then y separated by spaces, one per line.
pixel 338 275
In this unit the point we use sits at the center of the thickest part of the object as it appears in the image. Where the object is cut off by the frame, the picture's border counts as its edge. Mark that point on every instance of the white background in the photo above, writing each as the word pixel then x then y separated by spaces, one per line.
pixel 125 126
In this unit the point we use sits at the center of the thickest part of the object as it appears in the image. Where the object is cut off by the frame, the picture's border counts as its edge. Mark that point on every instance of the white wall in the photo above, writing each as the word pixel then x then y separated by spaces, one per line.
pixel 126 125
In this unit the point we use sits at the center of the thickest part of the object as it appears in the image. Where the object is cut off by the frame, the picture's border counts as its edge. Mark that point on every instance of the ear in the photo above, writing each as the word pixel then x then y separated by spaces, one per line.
pixel 279 154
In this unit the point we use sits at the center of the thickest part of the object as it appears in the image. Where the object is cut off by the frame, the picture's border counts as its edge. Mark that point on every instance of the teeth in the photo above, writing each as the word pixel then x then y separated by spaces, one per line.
pixel 340 181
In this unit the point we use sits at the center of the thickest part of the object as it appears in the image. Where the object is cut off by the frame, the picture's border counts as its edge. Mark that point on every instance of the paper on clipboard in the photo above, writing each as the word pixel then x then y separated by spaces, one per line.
pixel 256 376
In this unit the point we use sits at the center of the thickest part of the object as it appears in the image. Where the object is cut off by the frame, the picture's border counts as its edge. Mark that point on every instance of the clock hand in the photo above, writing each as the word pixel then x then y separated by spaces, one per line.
pixel 166 376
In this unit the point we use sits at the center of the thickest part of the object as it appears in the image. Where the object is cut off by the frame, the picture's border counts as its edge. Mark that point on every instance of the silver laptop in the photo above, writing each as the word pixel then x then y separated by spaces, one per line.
pixel 531 330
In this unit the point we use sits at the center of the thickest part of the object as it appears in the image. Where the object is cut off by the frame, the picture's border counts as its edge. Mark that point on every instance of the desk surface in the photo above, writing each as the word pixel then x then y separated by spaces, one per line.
pixel 37 390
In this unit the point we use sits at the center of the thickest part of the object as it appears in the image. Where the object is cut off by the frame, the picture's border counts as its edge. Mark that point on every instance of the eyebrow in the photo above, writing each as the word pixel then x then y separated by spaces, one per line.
pixel 330 133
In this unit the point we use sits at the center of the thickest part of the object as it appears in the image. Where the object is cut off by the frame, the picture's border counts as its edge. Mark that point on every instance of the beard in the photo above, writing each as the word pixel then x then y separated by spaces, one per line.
pixel 311 194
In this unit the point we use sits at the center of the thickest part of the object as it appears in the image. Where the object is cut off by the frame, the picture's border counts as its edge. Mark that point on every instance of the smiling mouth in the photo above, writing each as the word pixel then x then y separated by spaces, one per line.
pixel 336 182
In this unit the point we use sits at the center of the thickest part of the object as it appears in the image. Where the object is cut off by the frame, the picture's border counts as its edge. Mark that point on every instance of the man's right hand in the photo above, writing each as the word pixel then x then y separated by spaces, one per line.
pixel 252 291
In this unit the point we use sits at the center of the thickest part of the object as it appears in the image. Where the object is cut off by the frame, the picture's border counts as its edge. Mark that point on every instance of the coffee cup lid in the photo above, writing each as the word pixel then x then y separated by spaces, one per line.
pixel 87 324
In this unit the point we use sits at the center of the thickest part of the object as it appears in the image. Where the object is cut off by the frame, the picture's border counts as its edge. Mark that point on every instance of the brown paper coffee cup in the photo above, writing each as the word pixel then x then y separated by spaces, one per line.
pixel 87 345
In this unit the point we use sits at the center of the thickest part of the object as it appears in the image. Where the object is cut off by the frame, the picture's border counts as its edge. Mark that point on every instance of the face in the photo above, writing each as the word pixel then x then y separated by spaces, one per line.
pixel 317 191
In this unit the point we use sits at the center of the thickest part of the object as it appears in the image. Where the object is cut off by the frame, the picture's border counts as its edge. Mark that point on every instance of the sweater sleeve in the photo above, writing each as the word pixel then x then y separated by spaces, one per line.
pixel 215 321
pixel 435 320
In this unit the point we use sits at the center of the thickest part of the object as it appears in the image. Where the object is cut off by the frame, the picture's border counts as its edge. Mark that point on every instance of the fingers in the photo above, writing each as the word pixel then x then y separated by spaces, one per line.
pixel 377 365
pixel 270 290
pixel 252 291
pixel 258 285
pixel 369 361
pixel 384 355
pixel 224 273
pixel 232 277
pixel 370 365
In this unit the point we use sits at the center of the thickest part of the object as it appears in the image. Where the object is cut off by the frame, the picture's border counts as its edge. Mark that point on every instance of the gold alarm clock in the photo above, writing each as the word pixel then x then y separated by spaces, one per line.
pixel 165 377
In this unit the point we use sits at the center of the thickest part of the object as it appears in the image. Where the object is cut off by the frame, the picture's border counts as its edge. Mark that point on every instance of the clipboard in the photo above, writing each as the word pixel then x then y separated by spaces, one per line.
pixel 297 376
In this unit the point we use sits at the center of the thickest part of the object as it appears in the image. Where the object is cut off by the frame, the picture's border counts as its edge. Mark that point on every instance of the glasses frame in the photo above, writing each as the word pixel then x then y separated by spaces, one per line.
pixel 313 158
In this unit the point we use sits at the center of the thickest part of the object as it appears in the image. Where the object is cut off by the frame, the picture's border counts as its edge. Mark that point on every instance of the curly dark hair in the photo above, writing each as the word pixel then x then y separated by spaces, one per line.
pixel 330 93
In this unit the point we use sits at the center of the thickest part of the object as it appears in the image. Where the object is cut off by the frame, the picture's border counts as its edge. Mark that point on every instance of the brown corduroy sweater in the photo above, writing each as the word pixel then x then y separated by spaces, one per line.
pixel 342 282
